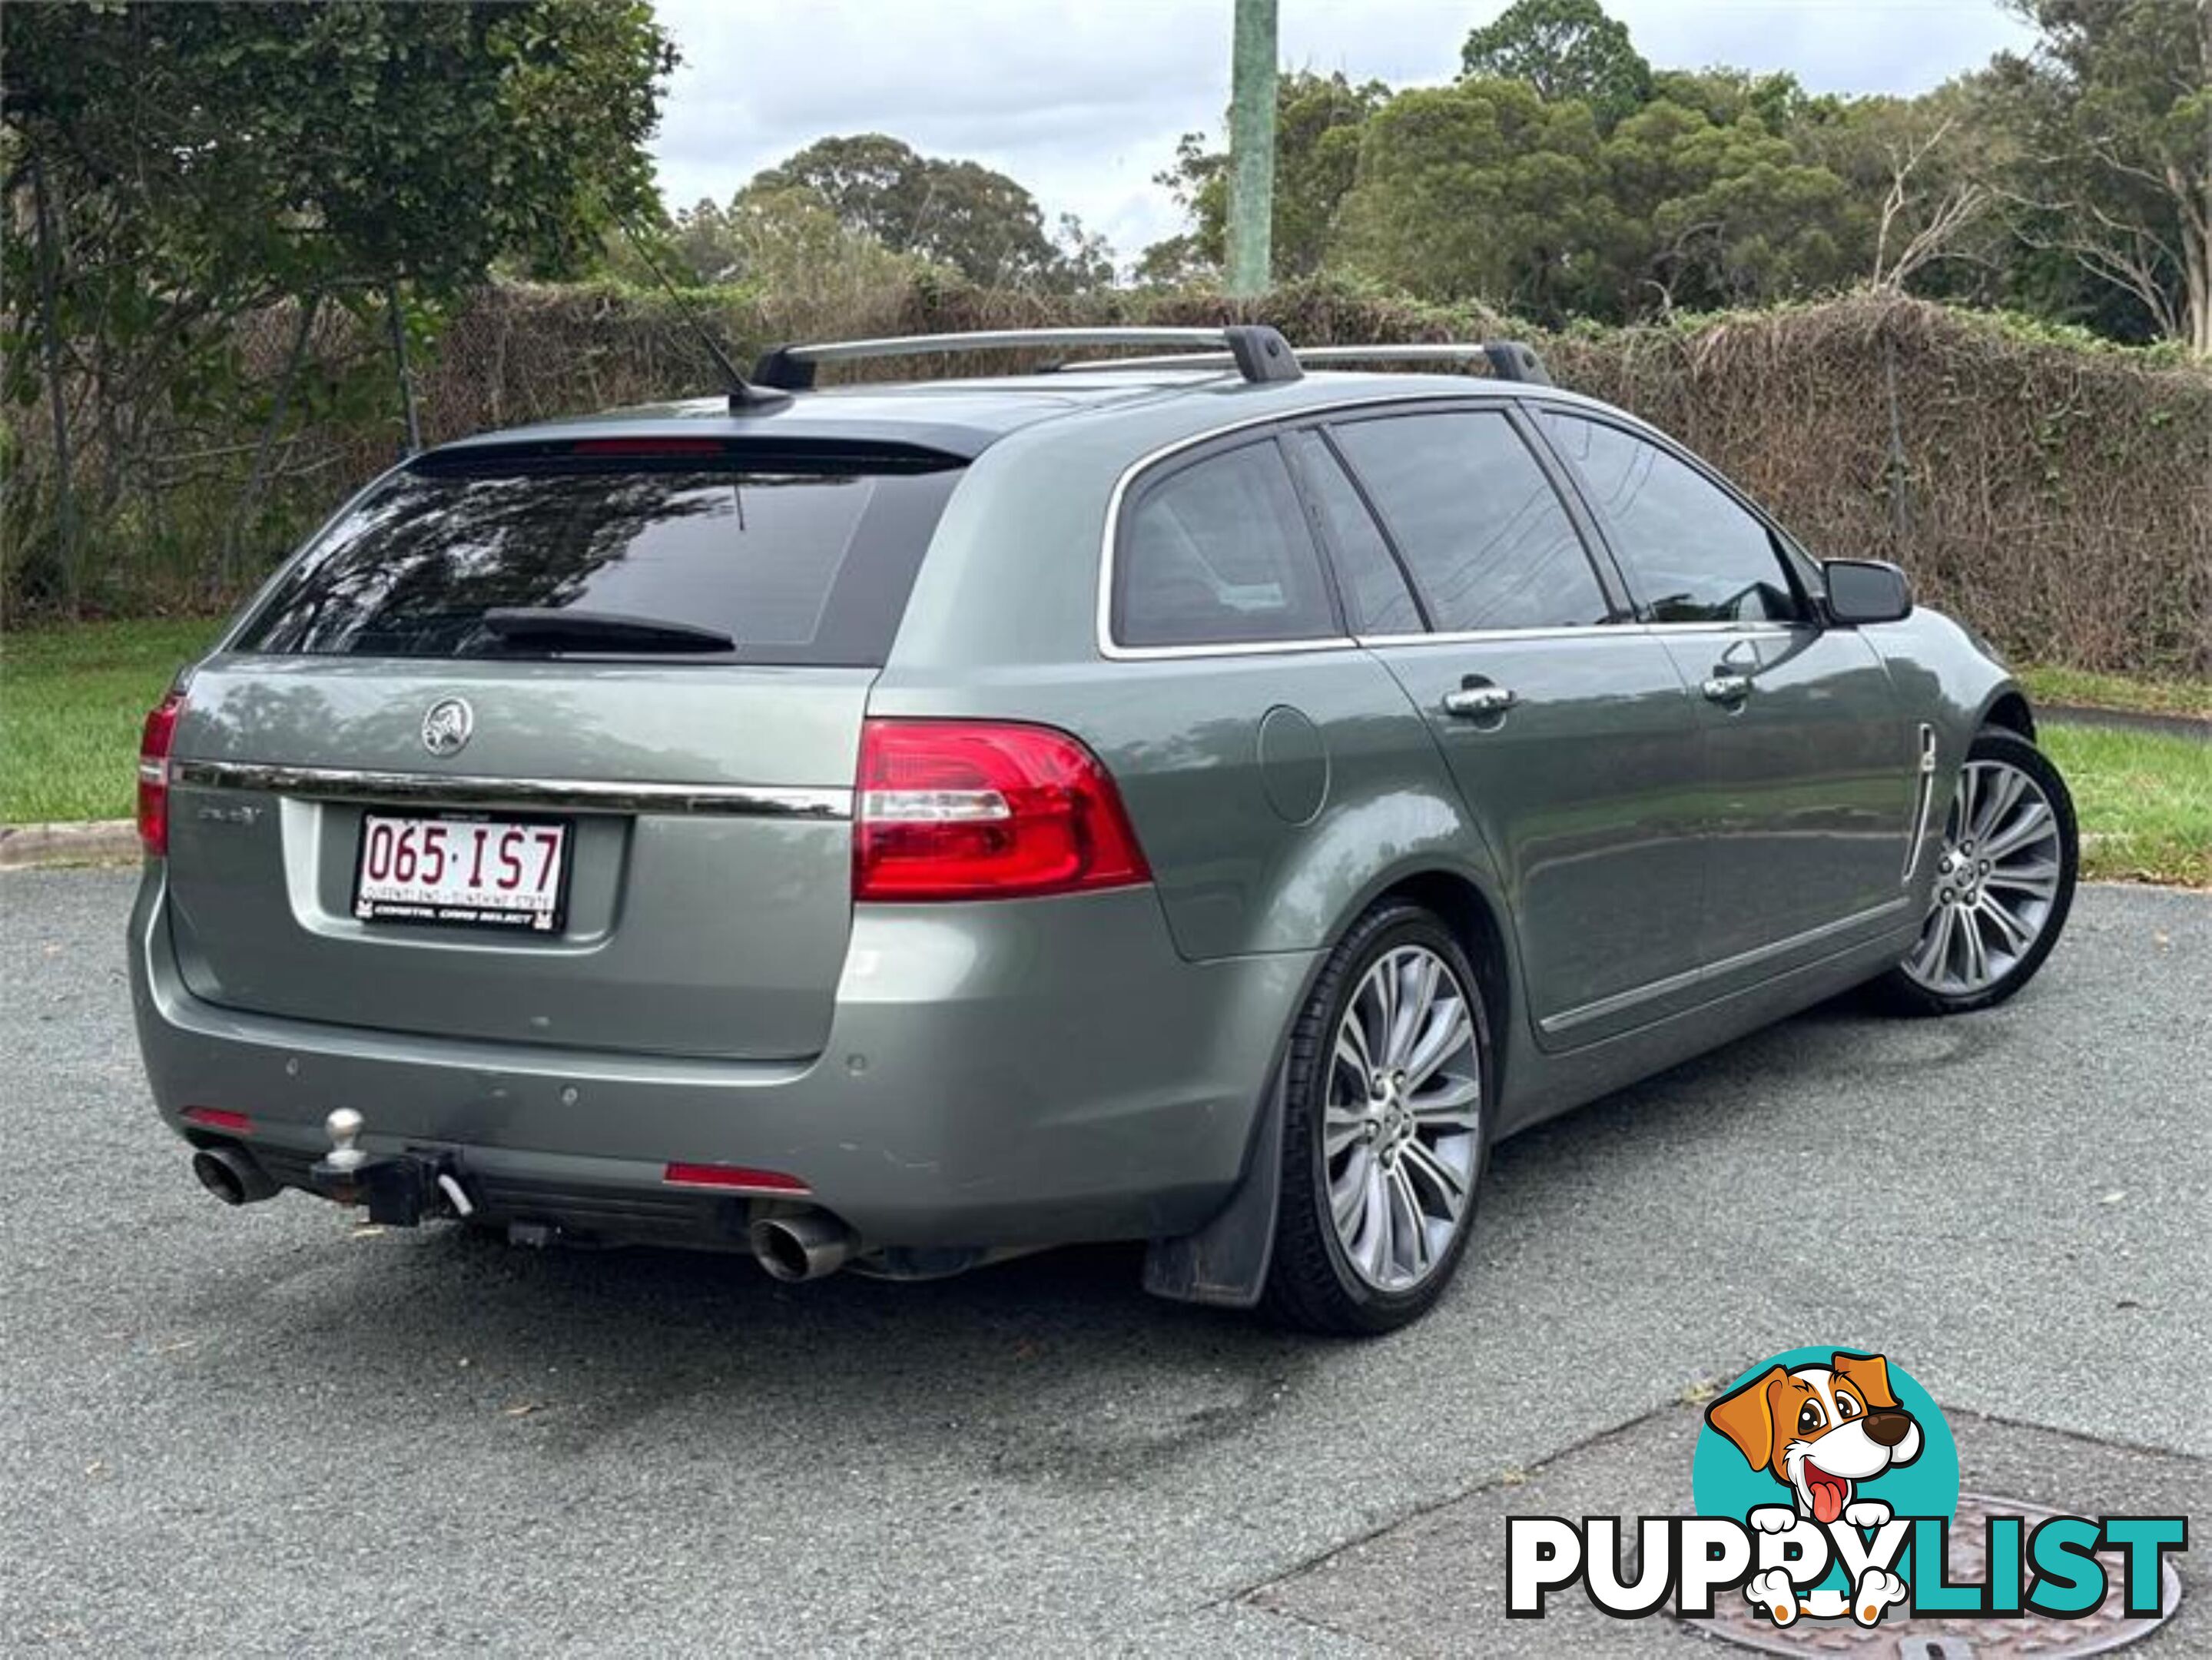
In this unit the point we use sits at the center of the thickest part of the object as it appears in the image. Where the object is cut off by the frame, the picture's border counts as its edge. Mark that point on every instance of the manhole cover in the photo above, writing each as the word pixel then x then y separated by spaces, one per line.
pixel 1935 1637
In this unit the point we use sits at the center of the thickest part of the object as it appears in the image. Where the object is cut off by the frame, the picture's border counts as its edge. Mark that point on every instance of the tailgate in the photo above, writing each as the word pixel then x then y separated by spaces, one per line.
pixel 706 905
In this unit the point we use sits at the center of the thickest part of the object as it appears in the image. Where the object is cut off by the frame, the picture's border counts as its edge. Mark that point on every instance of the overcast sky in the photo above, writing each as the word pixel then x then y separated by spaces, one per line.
pixel 1083 102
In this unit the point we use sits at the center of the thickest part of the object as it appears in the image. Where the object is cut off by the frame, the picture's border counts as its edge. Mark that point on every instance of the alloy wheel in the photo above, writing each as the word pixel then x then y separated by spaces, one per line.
pixel 1997 881
pixel 1400 1132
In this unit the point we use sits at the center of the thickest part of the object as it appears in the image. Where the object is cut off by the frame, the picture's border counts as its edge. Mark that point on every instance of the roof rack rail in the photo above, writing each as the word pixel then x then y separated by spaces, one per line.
pixel 1258 351
pixel 1509 359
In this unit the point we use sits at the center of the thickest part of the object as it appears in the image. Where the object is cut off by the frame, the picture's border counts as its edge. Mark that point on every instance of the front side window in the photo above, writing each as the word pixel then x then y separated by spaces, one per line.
pixel 1694 555
pixel 1476 520
pixel 1219 553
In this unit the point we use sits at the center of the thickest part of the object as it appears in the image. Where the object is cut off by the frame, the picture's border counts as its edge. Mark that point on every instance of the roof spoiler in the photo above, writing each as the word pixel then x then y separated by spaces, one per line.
pixel 1259 353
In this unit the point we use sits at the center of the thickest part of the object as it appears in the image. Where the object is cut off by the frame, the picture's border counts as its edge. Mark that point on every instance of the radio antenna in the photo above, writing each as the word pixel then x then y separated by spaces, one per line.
pixel 744 395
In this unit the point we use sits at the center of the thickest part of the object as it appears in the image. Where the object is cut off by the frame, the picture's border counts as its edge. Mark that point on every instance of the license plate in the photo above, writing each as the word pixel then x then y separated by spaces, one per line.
pixel 471 873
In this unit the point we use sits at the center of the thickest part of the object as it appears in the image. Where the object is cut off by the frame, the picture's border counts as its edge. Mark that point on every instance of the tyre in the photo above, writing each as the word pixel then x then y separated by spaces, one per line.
pixel 2004 882
pixel 1386 1130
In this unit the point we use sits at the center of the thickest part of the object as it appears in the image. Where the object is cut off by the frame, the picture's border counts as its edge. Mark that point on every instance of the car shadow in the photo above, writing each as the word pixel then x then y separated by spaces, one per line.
pixel 1088 1378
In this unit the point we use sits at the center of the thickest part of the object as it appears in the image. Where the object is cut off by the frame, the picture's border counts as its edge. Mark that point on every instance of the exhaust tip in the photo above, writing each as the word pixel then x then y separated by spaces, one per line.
pixel 231 1176
pixel 777 1251
pixel 804 1247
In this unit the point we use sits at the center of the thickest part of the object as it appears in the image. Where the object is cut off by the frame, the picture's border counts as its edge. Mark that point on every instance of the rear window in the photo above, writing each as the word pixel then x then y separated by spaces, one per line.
pixel 797 563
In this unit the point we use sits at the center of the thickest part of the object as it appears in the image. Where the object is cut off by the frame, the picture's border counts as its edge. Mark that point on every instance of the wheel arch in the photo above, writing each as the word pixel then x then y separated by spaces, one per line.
pixel 1225 1262
pixel 1469 913
pixel 2009 709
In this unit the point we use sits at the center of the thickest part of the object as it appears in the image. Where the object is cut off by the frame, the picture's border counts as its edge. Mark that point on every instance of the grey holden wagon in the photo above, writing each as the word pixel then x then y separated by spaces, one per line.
pixel 1185 800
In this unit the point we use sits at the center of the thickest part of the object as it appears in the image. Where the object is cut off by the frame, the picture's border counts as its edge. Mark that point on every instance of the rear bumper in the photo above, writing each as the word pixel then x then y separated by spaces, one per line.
pixel 1023 1073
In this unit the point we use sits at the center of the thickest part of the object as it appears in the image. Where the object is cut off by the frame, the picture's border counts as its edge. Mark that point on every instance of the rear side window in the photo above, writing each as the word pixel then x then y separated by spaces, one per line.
pixel 1219 553
pixel 1375 590
pixel 797 564
pixel 1476 520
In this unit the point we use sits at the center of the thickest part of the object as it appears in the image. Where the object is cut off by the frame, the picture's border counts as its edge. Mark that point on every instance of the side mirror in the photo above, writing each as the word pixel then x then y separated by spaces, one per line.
pixel 1866 591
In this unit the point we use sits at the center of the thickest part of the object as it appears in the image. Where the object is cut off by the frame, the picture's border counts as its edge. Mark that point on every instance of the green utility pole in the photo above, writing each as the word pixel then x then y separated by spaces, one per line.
pixel 1252 149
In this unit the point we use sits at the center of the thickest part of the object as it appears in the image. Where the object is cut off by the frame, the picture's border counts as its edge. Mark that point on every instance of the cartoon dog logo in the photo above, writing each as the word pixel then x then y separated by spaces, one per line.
pixel 1822 1432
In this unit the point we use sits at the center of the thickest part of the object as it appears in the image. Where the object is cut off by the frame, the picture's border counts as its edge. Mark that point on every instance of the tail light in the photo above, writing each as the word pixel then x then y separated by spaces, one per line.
pixel 154 774
pixel 983 810
pixel 731 1175
pixel 220 1118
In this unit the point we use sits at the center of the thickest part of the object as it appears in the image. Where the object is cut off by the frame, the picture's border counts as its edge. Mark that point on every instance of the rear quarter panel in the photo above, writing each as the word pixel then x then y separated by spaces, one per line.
pixel 1249 856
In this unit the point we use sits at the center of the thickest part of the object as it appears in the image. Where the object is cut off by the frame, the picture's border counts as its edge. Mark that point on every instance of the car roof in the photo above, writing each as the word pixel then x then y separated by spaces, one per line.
pixel 964 418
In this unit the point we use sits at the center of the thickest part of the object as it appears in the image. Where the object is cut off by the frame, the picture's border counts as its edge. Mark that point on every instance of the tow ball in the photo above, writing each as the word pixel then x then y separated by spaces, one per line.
pixel 400 1189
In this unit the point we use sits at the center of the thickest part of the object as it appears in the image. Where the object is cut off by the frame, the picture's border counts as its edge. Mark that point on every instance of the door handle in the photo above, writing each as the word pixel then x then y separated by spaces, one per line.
pixel 1475 702
pixel 1727 688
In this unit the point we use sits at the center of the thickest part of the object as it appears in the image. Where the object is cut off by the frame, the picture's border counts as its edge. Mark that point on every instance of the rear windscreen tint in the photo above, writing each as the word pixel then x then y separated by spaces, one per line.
pixel 796 565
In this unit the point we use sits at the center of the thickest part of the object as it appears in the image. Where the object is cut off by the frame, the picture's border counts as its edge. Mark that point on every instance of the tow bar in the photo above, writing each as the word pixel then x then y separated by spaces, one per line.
pixel 400 1189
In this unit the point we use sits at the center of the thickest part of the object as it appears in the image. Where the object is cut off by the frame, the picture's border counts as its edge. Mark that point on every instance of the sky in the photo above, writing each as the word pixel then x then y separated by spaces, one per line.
pixel 1083 103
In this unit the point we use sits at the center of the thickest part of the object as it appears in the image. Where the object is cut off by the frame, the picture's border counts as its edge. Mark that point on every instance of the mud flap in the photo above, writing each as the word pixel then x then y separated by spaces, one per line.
pixel 1224 1264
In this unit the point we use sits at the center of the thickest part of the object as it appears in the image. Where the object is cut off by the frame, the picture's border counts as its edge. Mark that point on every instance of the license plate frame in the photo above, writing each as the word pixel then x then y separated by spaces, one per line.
pixel 537 921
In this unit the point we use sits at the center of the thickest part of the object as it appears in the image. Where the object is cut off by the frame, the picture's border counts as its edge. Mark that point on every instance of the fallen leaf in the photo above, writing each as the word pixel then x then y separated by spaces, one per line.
pixel 2114 1196
pixel 1515 1478
pixel 1697 1391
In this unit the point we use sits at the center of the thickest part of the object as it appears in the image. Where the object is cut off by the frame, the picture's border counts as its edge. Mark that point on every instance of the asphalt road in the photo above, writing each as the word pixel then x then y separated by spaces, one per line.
pixel 264 1431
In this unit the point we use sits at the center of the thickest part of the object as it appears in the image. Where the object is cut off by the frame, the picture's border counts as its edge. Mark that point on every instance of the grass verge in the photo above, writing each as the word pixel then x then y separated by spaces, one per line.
pixel 2176 696
pixel 71 700
pixel 2144 799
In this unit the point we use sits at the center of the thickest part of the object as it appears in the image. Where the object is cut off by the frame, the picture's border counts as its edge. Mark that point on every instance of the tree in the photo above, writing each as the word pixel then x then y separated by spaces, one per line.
pixel 184 166
pixel 1563 49
pixel 1083 259
pixel 1318 121
pixel 288 144
pixel 789 242
pixel 1710 214
pixel 955 213
pixel 702 243
pixel 2114 112
pixel 1174 262
pixel 1482 190
pixel 1916 172
pixel 1724 95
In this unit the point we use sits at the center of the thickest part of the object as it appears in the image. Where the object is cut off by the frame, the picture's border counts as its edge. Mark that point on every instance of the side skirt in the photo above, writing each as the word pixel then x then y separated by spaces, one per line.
pixel 1540 1086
